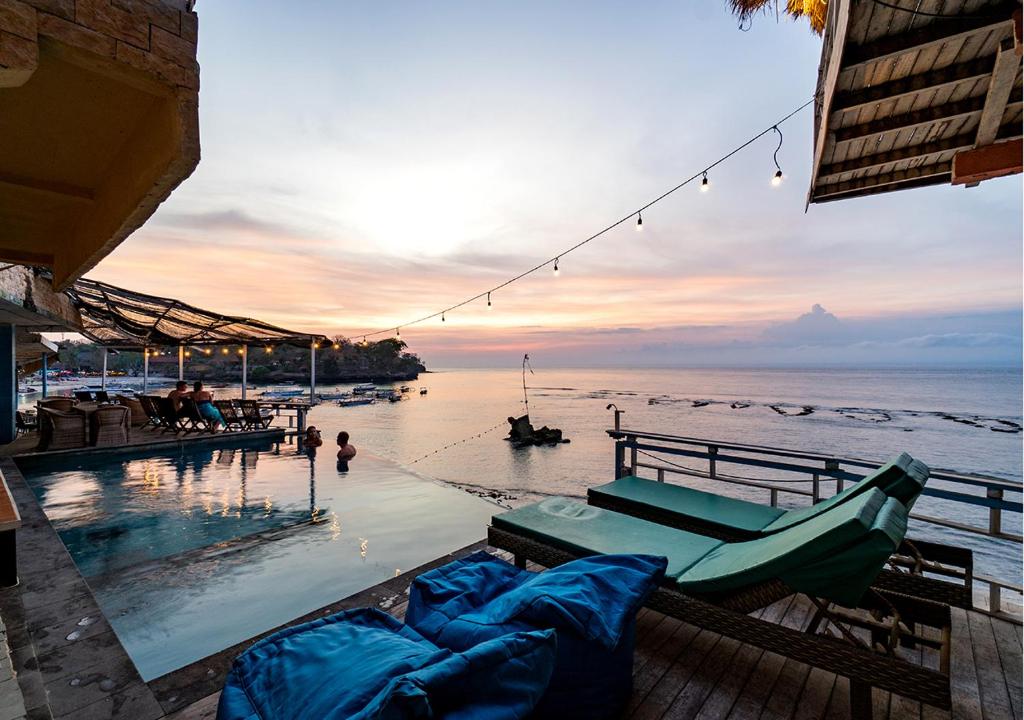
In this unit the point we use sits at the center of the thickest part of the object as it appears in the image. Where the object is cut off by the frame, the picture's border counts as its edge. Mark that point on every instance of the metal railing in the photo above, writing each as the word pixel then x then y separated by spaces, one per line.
pixel 807 473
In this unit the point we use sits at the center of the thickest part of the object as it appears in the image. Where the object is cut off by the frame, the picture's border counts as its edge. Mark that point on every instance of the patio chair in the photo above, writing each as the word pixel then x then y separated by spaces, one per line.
pixel 833 559
pixel 109 426
pixel 83 396
pixel 170 419
pixel 63 404
pixel 732 520
pixel 25 423
pixel 151 407
pixel 232 419
pixel 254 419
pixel 192 420
pixel 59 430
pixel 102 396
pixel 138 417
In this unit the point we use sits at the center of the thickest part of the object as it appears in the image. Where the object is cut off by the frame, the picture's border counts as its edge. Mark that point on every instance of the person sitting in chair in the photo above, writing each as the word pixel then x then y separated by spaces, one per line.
pixel 204 402
pixel 180 391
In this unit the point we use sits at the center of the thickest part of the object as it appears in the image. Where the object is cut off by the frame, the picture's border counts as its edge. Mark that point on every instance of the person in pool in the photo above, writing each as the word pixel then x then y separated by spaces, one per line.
pixel 204 401
pixel 345 451
pixel 313 438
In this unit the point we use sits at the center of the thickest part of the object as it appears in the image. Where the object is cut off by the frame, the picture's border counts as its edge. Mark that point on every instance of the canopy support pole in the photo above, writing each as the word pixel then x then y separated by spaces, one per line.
pixel 145 370
pixel 181 362
pixel 103 378
pixel 312 373
pixel 245 369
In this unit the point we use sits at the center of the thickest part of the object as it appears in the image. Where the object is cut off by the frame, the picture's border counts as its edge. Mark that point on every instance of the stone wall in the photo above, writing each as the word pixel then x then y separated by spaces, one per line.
pixel 156 36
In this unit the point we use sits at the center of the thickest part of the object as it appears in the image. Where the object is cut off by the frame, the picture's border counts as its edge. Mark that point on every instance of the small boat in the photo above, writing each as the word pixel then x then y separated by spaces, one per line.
pixel 405 388
pixel 352 402
pixel 363 389
pixel 334 395
pixel 423 391
pixel 27 390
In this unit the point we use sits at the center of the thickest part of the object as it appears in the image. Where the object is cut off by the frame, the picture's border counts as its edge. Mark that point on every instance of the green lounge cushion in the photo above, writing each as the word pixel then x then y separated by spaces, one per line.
pixel 835 555
pixel 688 502
pixel 902 478
pixel 586 530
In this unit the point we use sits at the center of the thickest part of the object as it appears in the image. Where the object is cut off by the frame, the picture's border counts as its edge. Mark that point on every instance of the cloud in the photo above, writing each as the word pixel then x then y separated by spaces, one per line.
pixel 817 327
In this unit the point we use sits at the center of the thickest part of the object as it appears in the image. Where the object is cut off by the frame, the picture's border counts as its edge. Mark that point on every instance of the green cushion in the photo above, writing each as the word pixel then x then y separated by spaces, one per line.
pixel 835 555
pixel 687 502
pixel 902 479
pixel 583 529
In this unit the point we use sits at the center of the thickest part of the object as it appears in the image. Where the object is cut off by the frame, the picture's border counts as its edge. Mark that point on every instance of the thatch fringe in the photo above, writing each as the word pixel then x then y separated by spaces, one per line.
pixel 814 10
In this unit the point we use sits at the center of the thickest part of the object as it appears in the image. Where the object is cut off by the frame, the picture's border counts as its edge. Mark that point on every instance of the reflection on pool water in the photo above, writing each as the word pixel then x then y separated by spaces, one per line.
pixel 190 554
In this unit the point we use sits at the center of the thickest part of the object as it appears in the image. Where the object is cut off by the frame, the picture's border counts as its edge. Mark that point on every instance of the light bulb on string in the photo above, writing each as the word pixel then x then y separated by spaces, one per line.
pixel 556 267
pixel 488 301
pixel 268 349
pixel 442 317
pixel 705 184
pixel 335 346
pixel 398 333
pixel 777 177
pixel 188 354
pixel 639 223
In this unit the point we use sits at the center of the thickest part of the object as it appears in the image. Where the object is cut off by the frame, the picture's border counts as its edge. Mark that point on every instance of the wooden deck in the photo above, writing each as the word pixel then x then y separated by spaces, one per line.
pixel 681 672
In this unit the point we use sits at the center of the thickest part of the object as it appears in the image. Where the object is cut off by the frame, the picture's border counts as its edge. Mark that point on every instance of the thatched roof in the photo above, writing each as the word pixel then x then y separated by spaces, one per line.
pixel 814 10
pixel 115 317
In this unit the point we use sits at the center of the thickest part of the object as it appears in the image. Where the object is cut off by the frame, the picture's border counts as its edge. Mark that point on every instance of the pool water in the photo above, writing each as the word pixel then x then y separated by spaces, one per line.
pixel 190 554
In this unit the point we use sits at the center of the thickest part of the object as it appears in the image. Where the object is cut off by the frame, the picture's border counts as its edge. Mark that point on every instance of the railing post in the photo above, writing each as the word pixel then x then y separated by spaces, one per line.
pixel 620 459
pixel 632 454
pixel 995 515
pixel 995 598
pixel 775 497
pixel 661 474
pixel 712 469
pixel 815 489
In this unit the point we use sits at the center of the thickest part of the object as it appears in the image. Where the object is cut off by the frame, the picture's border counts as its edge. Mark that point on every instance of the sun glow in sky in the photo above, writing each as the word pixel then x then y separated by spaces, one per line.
pixel 365 164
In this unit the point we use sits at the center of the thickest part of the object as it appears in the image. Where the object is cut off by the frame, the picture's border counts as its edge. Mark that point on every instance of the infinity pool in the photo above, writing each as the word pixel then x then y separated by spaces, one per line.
pixel 190 554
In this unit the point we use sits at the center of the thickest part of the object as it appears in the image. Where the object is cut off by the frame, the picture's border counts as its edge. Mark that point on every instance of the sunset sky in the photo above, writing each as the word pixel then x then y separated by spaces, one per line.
pixel 365 164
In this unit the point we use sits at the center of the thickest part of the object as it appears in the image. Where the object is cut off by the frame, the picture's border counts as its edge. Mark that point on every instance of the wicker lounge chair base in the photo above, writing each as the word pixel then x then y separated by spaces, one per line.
pixel 864 667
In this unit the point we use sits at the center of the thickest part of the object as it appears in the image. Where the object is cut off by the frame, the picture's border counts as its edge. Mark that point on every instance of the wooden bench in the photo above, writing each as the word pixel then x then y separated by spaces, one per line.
pixel 10 521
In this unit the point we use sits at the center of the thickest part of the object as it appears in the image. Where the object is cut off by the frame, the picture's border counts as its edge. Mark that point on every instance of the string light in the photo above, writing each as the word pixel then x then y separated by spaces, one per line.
pixel 639 222
pixel 224 351
pixel 777 177
pixel 704 187
pixel 241 351
pixel 398 333
pixel 208 351
pixel 188 353
pixel 556 267
pixel 335 346
pixel 268 349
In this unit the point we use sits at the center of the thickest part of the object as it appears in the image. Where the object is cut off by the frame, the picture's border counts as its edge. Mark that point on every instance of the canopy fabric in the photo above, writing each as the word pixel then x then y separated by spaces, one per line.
pixel 115 317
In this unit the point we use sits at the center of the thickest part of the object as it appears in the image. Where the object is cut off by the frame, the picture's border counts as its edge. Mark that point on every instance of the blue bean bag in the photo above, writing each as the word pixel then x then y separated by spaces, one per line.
pixel 364 664
pixel 591 603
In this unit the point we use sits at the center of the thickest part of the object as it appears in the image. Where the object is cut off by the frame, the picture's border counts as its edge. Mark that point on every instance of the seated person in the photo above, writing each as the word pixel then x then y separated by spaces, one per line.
pixel 345 451
pixel 312 438
pixel 180 391
pixel 204 402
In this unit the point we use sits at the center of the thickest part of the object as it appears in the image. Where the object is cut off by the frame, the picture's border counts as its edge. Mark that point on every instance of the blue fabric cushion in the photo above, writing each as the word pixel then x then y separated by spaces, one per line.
pixel 364 664
pixel 591 603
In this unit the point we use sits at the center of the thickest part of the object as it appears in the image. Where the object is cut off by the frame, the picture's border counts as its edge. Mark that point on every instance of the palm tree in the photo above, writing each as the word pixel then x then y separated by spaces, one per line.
pixel 814 10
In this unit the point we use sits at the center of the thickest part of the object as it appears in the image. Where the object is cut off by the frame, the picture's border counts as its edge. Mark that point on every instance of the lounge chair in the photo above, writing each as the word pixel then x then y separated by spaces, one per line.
pixel 109 426
pixel 102 396
pixel 232 420
pixel 192 420
pixel 732 520
pixel 170 419
pixel 151 407
pixel 83 395
pixel 254 420
pixel 833 558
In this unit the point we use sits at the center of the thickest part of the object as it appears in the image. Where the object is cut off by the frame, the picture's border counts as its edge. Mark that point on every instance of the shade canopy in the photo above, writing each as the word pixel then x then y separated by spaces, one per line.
pixel 916 93
pixel 115 317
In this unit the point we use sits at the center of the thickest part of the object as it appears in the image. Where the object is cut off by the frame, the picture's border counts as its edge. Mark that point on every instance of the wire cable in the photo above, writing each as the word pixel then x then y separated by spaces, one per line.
pixel 458 442
pixel 554 258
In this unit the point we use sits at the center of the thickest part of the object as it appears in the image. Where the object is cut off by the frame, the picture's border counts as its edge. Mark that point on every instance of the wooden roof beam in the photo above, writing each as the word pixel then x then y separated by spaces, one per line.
pixel 931 80
pixel 897 177
pixel 991 161
pixel 928 36
pixel 925 116
pixel 1000 86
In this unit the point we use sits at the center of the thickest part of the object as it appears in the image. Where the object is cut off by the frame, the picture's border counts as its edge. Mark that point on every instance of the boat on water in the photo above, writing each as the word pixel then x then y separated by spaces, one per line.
pixel 353 401
pixel 363 389
pixel 405 389
pixel 423 391
pixel 27 390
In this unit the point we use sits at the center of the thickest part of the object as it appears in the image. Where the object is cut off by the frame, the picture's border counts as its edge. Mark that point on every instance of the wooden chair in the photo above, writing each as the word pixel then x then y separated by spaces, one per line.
pixel 170 419
pixel 232 419
pixel 25 423
pixel 83 395
pixel 60 430
pixel 192 420
pixel 150 406
pixel 253 418
pixel 109 426
pixel 102 396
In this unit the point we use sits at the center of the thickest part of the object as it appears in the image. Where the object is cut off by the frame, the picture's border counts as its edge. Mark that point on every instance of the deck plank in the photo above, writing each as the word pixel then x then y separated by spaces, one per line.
pixel 1008 644
pixel 205 709
pixel 692 697
pixel 813 702
pixel 995 698
pixel 963 674
pixel 659 699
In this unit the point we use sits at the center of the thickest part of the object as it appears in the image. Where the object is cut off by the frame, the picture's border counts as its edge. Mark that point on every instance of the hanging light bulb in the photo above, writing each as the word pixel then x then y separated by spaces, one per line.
pixel 639 223
pixel 398 333
pixel 335 346
pixel 188 354
pixel 224 351
pixel 488 301
pixel 268 349
pixel 556 267
pixel 705 184
pixel 208 351
pixel 442 317
pixel 241 350
pixel 777 177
